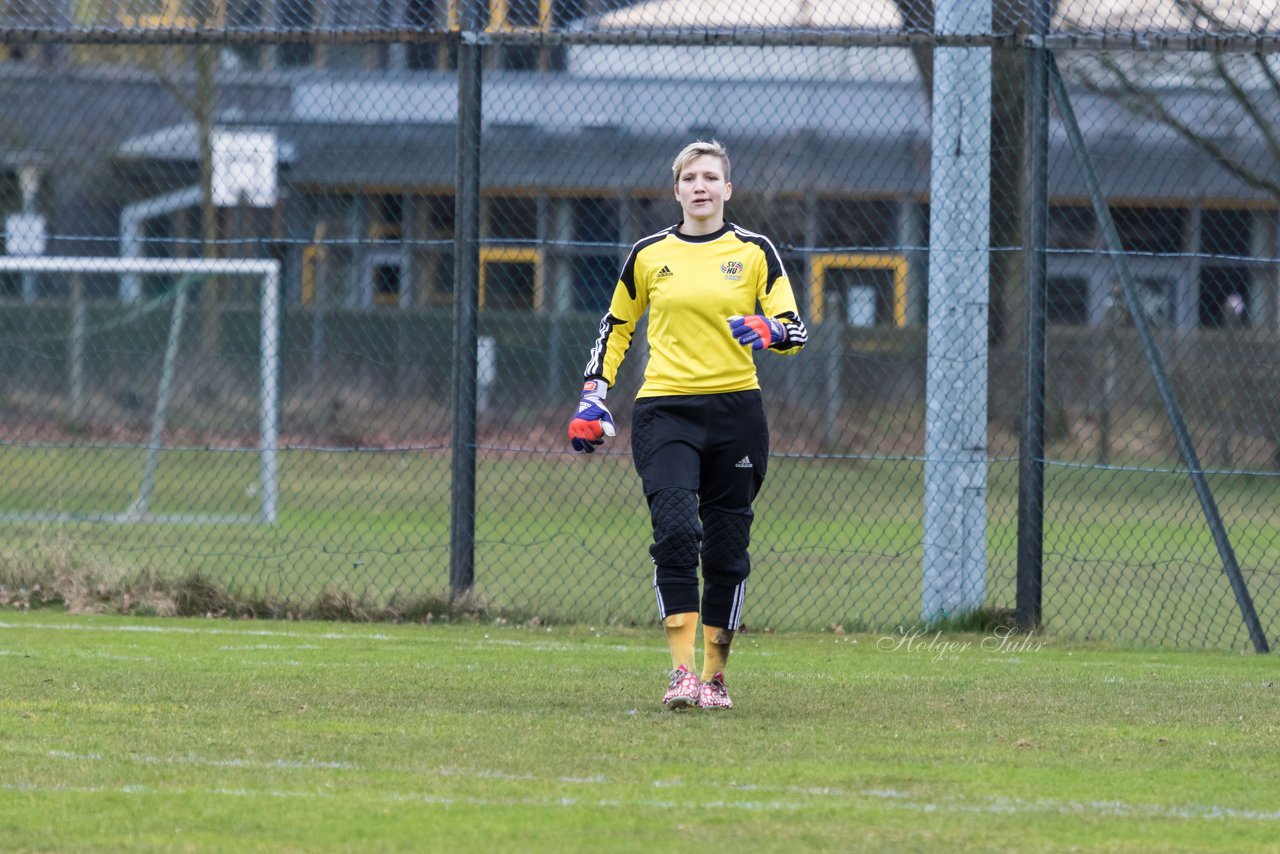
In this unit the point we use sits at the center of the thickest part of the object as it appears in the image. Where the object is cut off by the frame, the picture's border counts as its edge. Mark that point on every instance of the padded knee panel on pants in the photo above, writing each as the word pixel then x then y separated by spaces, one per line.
pixel 677 533
pixel 724 548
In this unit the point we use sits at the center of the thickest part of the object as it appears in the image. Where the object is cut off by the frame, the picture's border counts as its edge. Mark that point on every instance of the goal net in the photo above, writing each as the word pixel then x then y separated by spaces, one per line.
pixel 139 389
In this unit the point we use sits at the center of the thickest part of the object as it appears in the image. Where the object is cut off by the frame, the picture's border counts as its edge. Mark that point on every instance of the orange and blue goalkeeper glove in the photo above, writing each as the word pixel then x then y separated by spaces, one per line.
pixel 757 331
pixel 593 421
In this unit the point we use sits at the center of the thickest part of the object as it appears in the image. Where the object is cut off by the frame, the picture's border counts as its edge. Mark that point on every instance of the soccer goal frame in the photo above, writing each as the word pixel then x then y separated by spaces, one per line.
pixel 267 273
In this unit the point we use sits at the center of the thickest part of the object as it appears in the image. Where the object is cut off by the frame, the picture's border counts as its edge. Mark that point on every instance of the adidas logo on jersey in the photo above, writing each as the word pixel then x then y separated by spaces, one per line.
pixel 664 272
pixel 744 463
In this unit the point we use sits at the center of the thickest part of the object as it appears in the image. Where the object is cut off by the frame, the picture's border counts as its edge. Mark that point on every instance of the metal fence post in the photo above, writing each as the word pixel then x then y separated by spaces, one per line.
pixel 462 521
pixel 1031 442
pixel 955 480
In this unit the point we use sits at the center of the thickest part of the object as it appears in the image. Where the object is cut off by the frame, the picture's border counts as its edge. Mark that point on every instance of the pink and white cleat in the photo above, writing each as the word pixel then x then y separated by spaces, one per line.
pixel 684 690
pixel 714 695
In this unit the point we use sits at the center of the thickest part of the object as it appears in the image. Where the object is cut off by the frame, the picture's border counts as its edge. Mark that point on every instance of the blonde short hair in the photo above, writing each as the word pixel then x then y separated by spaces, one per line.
pixel 694 150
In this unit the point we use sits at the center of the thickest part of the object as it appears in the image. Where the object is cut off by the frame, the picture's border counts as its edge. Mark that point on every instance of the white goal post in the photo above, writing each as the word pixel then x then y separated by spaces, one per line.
pixel 267 272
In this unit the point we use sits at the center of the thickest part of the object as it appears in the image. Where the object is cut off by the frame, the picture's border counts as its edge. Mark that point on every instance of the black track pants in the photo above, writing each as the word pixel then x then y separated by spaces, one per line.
pixel 702 459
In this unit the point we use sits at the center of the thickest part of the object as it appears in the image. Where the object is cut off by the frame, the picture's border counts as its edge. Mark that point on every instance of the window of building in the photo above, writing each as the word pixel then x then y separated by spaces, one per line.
pixel 857 223
pixel 781 219
pixel 10 195
pixel 386 217
pixel 296 16
pixel 858 289
pixel 244 15
pixel 424 15
pixel 1071 227
pixel 1150 230
pixel 434 263
pixel 421 56
pixel 1067 300
pixel 565 11
pixel 352 14
pixel 438 214
pixel 1224 296
pixel 1226 233
pixel 526 14
pixel 595 220
pixel 386 283
pixel 508 283
pixel 10 200
pixel 513 218
pixel 650 214
pixel 594 278
pixel 861 297
pixel 439 272
pixel 520 57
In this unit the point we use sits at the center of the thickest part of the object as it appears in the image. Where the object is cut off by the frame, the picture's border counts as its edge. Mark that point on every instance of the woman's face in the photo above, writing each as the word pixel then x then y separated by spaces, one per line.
pixel 702 191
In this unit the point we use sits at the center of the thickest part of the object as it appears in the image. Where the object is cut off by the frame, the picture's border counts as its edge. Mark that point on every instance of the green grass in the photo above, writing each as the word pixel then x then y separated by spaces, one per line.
pixel 1128 556
pixel 191 735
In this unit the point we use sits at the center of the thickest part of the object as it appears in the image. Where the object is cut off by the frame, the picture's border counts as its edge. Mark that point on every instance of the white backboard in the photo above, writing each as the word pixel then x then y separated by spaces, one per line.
pixel 245 166
pixel 861 306
pixel 24 234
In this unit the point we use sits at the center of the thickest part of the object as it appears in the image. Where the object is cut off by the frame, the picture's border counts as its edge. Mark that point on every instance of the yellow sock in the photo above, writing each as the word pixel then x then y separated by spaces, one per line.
pixel 681 630
pixel 715 651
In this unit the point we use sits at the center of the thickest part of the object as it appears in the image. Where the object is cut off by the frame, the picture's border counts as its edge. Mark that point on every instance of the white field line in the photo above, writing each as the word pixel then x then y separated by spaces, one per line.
pixel 563 646
pixel 532 645
pixel 191 759
pixel 821 795
pixel 189 630
pixel 110 656
pixel 880 797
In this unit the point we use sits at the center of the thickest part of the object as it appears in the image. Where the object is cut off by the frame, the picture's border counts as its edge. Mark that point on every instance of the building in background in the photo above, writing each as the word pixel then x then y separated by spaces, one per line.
pixel 831 157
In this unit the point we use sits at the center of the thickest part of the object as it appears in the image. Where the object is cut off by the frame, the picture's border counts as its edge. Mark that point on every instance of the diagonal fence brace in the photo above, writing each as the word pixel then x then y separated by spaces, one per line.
pixel 1176 420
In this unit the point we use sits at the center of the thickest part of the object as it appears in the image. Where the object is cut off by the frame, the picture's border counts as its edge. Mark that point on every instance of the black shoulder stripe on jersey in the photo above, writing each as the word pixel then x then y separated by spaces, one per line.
pixel 595 364
pixel 628 275
pixel 772 260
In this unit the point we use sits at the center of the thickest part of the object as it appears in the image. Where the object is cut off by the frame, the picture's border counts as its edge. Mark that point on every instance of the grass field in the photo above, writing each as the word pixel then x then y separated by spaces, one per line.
pixel 205 735
pixel 1128 556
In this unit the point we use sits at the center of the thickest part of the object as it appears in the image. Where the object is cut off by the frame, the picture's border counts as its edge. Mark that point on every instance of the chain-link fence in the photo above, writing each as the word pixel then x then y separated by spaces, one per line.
pixel 301 424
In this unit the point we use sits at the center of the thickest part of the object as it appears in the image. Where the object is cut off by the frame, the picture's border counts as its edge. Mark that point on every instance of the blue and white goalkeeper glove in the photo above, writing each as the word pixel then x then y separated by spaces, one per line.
pixel 593 421
pixel 757 331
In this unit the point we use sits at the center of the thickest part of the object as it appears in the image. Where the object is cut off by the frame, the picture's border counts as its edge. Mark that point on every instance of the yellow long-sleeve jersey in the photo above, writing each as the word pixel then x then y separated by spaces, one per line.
pixel 691 286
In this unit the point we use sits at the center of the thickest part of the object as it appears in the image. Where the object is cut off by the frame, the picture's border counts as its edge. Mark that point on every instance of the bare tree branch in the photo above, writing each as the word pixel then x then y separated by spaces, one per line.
pixel 154 60
pixel 1249 105
pixel 1196 8
pixel 1268 73
pixel 1145 104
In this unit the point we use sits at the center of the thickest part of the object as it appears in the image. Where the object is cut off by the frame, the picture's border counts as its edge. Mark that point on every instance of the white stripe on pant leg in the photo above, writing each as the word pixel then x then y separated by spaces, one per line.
pixel 662 609
pixel 735 614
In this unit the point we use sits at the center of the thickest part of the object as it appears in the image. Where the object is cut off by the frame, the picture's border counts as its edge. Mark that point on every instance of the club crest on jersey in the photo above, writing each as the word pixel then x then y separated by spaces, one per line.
pixel 732 270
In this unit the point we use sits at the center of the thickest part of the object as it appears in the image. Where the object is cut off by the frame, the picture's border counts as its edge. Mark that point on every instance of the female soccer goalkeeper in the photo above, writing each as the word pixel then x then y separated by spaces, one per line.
pixel 700 440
